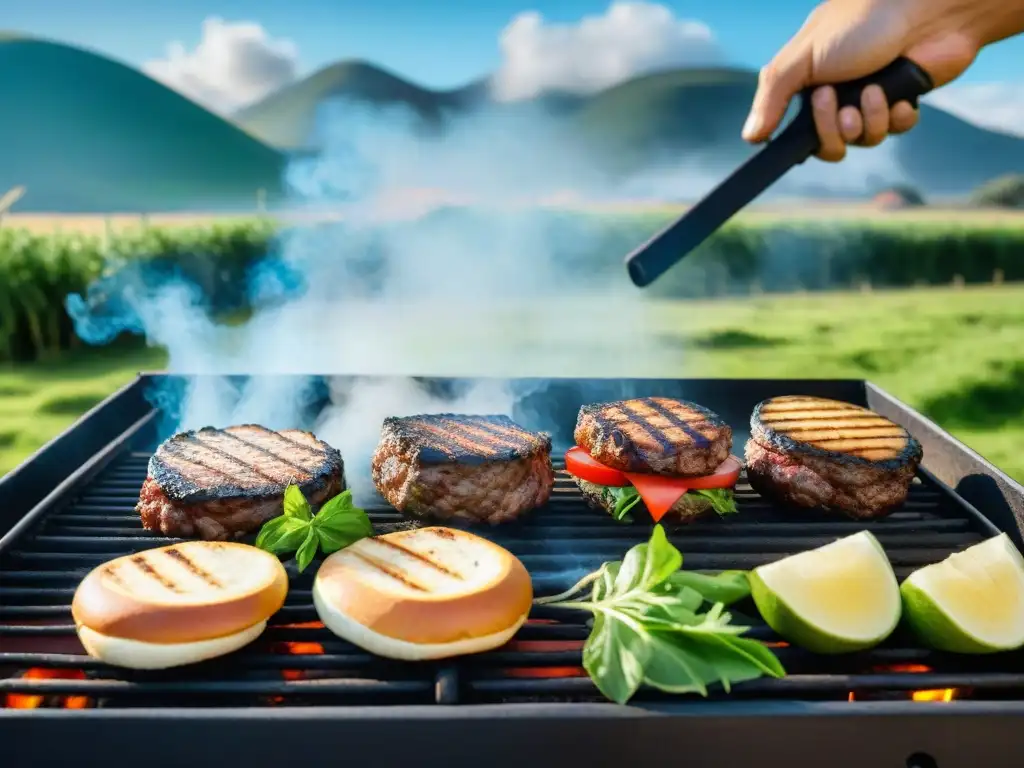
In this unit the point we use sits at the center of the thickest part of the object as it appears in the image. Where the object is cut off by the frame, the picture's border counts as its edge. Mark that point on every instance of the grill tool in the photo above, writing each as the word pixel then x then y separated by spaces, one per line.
pixel 902 80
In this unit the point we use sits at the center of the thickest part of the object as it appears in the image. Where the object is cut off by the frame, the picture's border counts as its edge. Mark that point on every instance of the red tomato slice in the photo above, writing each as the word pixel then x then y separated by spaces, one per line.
pixel 581 464
pixel 725 476
pixel 658 492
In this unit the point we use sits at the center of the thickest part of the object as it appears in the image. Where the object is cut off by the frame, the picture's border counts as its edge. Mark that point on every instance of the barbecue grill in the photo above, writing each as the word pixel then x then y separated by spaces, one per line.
pixel 299 694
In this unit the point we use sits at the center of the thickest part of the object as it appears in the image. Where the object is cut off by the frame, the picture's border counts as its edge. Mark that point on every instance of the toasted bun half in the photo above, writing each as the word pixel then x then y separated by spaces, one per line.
pixel 188 593
pixel 428 593
pixel 135 654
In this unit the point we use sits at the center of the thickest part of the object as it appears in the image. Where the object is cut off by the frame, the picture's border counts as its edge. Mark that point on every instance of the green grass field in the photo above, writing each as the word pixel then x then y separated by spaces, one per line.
pixel 957 355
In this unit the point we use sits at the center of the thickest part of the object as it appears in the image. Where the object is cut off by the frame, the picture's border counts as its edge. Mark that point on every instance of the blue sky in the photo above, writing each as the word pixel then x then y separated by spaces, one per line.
pixel 435 42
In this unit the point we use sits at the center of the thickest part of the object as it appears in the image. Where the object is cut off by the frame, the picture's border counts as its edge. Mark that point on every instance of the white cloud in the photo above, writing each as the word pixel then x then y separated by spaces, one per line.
pixel 999 106
pixel 234 64
pixel 631 38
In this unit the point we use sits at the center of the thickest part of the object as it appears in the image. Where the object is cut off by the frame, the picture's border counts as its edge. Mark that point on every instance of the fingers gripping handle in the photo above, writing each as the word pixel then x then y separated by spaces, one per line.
pixel 903 80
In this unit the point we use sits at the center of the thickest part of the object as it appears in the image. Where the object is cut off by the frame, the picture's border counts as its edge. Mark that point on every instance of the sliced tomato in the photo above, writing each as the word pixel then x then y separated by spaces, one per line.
pixel 725 476
pixel 581 464
pixel 659 492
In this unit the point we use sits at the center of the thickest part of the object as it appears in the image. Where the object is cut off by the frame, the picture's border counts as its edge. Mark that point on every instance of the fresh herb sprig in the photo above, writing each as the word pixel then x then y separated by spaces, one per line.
pixel 648 627
pixel 338 524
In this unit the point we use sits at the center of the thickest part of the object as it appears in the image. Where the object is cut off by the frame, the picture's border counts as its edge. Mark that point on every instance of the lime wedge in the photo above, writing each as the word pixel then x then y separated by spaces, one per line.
pixel 971 602
pixel 834 599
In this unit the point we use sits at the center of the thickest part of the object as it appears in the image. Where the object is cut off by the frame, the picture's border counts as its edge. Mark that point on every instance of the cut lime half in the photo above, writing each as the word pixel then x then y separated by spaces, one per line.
pixel 971 602
pixel 834 599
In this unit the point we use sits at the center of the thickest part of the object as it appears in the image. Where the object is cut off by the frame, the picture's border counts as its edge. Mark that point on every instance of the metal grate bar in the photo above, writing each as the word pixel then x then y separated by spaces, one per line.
pixel 557 544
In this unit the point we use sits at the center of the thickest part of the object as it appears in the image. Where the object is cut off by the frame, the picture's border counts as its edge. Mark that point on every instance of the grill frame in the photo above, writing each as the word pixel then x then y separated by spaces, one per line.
pixel 778 730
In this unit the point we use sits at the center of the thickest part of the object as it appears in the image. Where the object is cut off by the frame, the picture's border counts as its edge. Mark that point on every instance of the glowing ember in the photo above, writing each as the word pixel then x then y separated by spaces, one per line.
pixel 946 694
pixel 35 701
pixel 913 668
pixel 297 649
pixel 943 694
pixel 545 646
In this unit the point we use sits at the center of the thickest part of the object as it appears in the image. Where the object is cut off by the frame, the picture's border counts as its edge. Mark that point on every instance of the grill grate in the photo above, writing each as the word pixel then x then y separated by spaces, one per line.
pixel 297 662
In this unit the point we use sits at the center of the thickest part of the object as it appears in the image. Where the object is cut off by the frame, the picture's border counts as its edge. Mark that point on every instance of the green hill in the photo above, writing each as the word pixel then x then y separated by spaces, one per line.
pixel 287 118
pixel 84 133
pixel 668 115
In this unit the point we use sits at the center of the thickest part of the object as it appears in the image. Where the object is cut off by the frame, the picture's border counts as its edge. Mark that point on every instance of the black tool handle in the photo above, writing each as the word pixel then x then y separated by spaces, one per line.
pixel 902 80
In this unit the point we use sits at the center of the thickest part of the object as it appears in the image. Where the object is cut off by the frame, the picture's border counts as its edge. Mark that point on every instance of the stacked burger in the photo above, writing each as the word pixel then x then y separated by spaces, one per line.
pixel 671 455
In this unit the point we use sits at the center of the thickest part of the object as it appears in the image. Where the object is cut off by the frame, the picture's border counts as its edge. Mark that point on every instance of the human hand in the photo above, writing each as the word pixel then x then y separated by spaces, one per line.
pixel 846 39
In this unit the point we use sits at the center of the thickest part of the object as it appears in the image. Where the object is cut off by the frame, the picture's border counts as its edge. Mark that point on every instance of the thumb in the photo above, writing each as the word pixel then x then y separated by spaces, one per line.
pixel 777 84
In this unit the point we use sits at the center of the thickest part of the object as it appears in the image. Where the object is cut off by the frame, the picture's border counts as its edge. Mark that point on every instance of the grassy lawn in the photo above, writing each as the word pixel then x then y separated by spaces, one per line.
pixel 39 401
pixel 956 355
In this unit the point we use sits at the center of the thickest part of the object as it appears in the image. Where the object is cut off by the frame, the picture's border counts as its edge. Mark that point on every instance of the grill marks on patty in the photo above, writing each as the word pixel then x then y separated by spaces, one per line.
pixel 446 437
pixel 833 426
pixel 219 484
pixel 654 422
pixel 473 467
pixel 654 434
pixel 812 452
pixel 239 461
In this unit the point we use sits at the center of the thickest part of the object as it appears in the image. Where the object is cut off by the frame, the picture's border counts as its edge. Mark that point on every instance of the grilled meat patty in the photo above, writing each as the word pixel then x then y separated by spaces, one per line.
pixel 656 435
pixel 814 452
pixel 478 468
pixel 690 506
pixel 219 484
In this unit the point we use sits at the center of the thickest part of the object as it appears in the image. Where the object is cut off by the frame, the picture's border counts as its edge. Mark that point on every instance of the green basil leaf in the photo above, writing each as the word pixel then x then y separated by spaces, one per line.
pixel 282 534
pixel 614 657
pixel 307 551
pixel 606 581
pixel 648 565
pixel 726 661
pixel 295 504
pixel 340 513
pixel 341 532
pixel 625 499
pixel 727 587
pixel 756 653
pixel 722 500
pixel 673 603
pixel 267 532
pixel 674 668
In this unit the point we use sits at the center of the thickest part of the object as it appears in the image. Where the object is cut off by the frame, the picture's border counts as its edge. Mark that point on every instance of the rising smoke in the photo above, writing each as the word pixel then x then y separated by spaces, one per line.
pixel 443 264
pixel 409 283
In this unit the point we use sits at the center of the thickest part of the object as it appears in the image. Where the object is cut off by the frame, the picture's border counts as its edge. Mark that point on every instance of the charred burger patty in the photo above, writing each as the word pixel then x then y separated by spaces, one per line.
pixel 220 484
pixel 672 455
pixel 477 468
pixel 817 453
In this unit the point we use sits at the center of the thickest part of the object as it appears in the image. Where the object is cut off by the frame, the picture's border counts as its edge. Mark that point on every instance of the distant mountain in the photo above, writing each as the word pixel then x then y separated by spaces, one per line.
pixel 667 116
pixel 287 118
pixel 84 133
